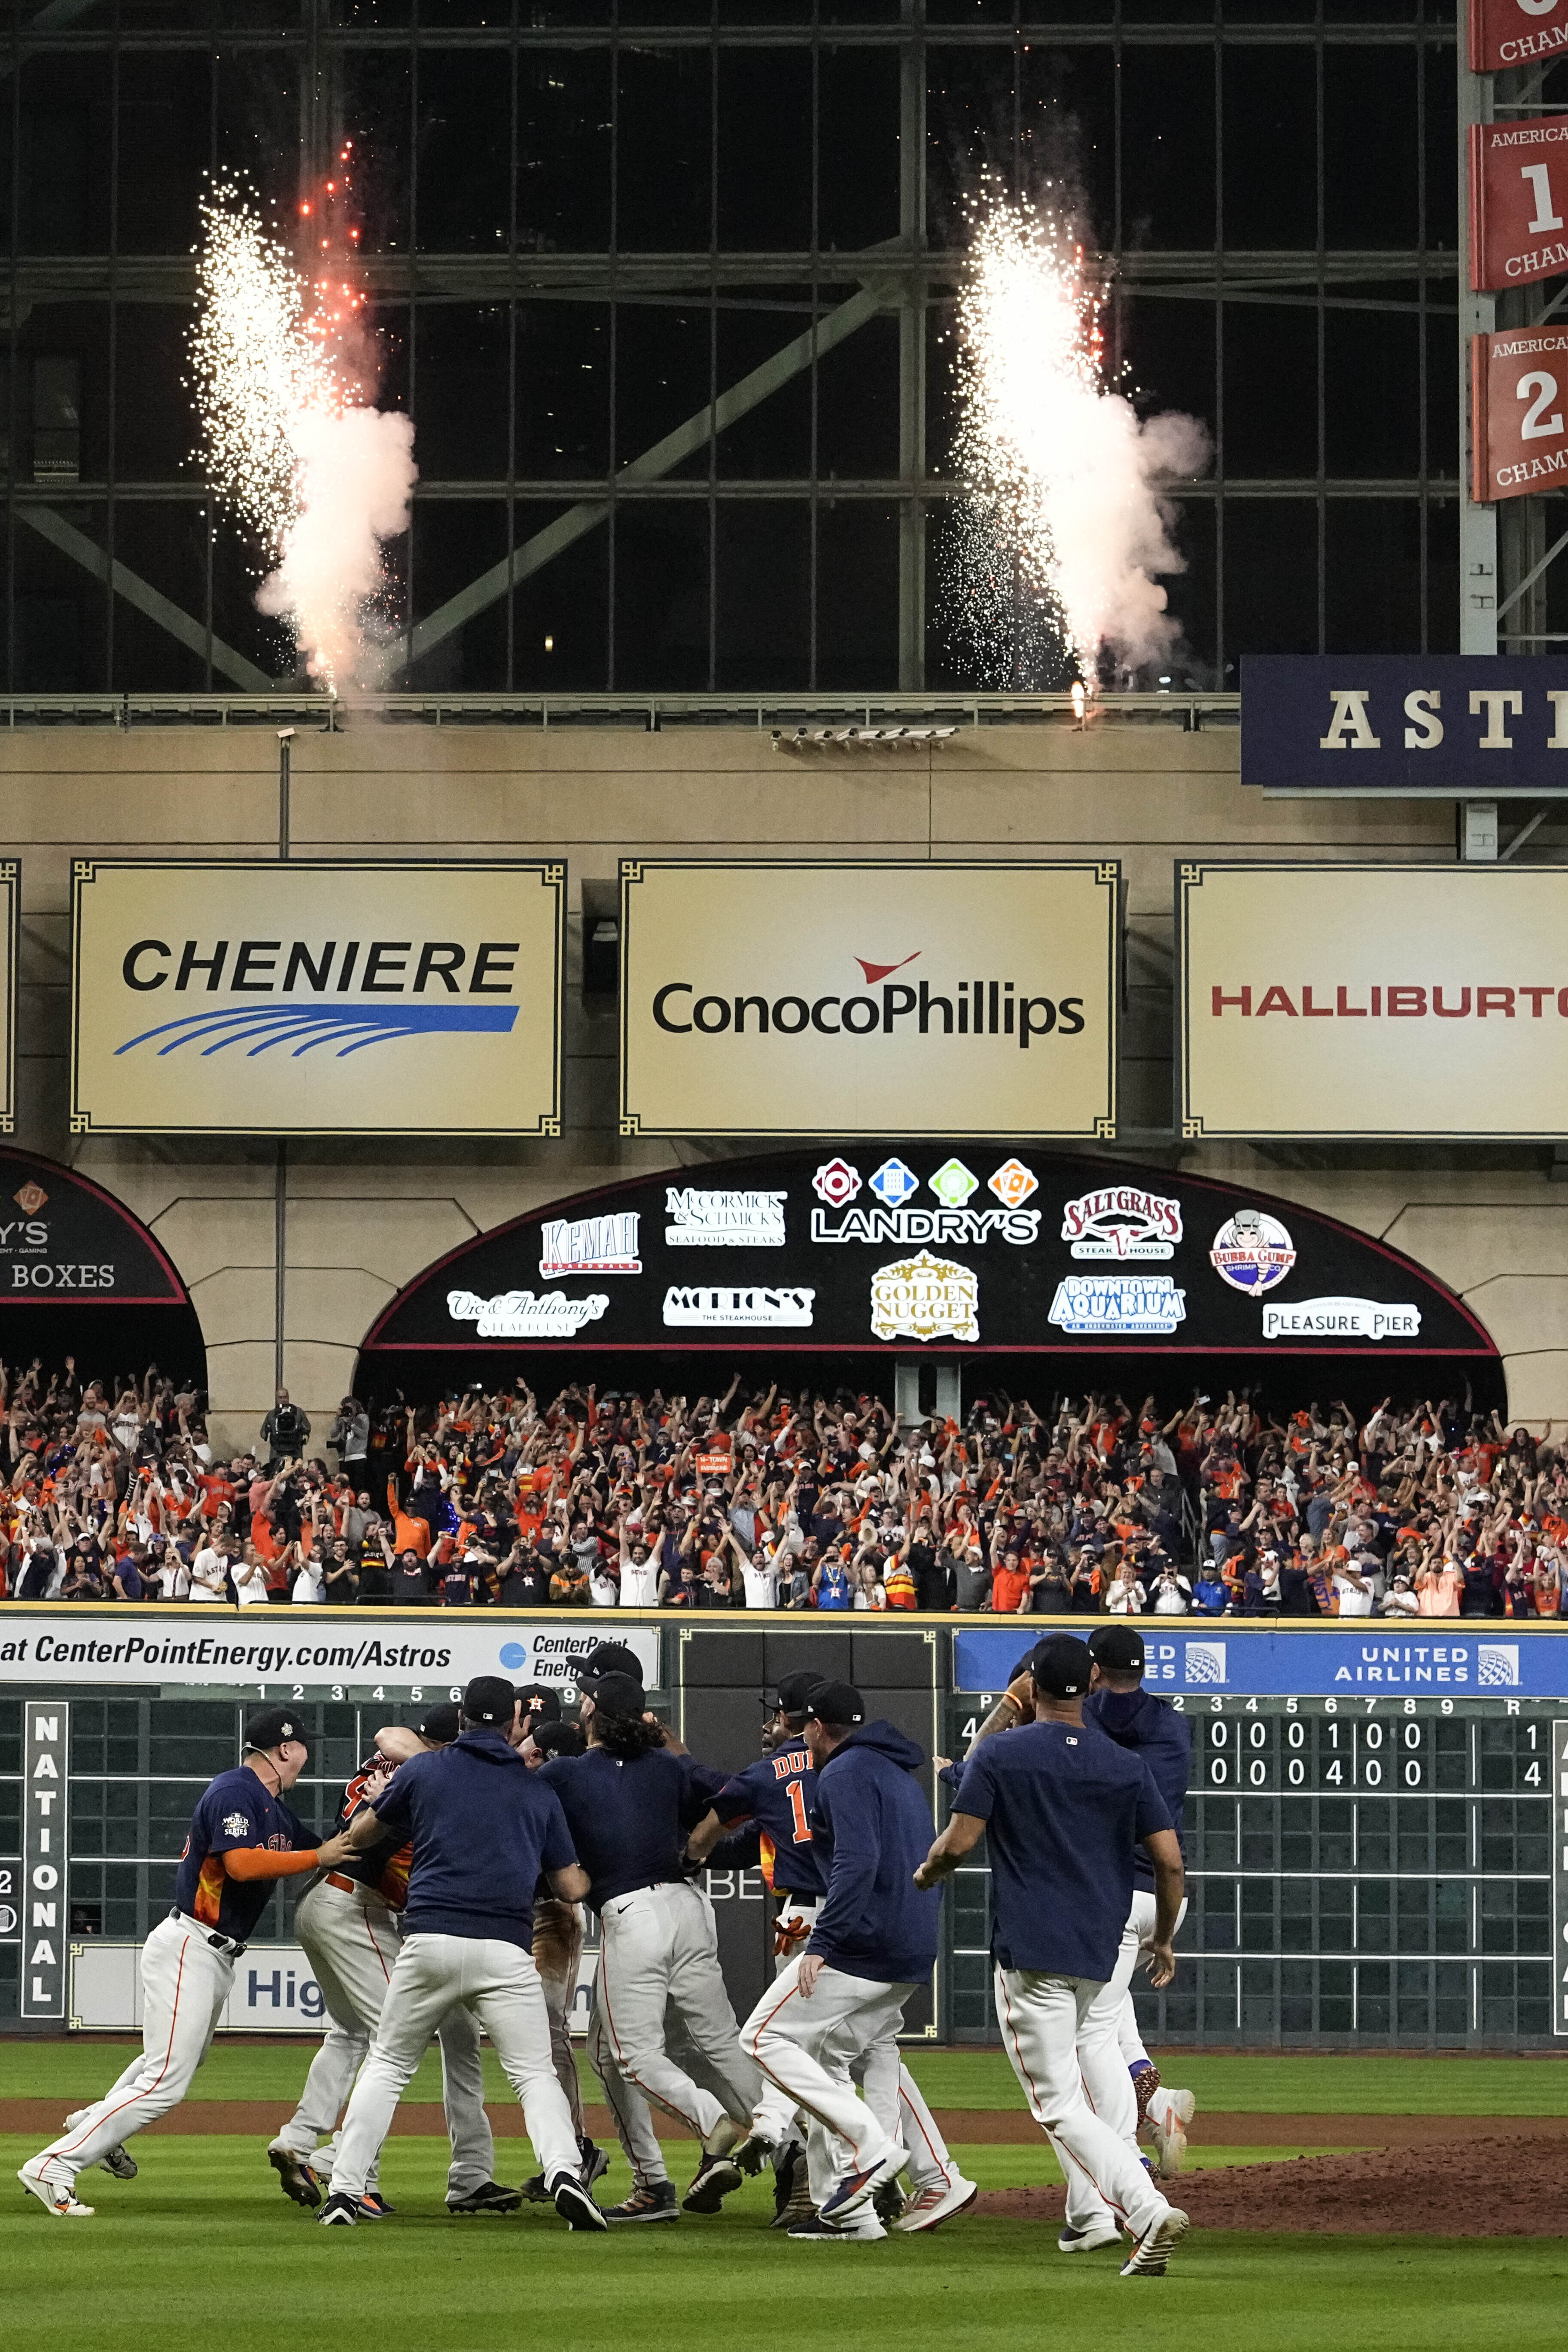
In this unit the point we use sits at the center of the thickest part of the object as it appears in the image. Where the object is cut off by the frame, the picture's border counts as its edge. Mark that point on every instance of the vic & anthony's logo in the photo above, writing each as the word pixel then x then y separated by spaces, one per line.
pixel 965 1008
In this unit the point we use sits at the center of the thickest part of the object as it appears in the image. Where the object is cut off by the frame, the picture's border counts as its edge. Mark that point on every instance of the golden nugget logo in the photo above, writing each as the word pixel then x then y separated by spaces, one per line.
pixel 925 1297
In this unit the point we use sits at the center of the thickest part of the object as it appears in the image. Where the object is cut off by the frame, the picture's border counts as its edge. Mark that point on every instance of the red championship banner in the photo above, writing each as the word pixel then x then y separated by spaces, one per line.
pixel 1508 33
pixel 1518 413
pixel 1518 187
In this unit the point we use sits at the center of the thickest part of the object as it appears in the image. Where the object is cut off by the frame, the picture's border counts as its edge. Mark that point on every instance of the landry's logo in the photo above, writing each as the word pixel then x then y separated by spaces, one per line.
pixel 429 987
pixel 959 1008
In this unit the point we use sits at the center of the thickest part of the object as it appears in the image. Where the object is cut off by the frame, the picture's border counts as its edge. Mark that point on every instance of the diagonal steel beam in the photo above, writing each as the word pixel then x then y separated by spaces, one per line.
pixel 661 459
pixel 142 595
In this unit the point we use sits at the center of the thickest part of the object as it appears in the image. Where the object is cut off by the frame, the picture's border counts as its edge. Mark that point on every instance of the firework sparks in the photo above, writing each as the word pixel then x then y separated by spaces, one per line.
pixel 1052 554
pixel 289 441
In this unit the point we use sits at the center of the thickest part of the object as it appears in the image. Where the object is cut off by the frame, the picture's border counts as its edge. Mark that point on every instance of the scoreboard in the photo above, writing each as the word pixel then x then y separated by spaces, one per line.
pixel 1383 1868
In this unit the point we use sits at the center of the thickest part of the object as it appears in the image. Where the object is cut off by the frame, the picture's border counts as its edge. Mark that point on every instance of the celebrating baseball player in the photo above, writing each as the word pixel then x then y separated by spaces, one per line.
pixel 559 1929
pixel 483 1828
pixel 242 1839
pixel 873 1941
pixel 1061 1807
pixel 779 1793
pixel 348 1925
pixel 629 1801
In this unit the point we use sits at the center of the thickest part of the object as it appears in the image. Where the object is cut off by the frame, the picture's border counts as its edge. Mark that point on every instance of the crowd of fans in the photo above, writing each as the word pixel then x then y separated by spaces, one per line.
pixel 778 1500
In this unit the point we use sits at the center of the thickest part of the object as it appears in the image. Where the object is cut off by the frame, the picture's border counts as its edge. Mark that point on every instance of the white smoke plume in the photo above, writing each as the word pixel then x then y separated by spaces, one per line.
pixel 289 441
pixel 1066 530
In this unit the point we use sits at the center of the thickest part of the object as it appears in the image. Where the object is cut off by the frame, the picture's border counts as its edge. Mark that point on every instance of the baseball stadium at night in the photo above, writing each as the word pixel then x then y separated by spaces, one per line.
pixel 786 840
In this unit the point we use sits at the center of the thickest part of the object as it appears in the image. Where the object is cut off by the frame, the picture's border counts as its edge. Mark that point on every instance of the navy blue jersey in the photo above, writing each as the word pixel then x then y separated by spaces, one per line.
pixel 483 1828
pixel 235 1810
pixel 873 1830
pixel 1063 1808
pixel 1151 1727
pixel 630 1819
pixel 777 1792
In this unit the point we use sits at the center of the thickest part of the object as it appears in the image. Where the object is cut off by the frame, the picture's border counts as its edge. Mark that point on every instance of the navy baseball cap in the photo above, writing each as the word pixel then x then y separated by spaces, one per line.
pixel 541 1701
pixel 490 1698
pixel 621 1694
pixel 793 1692
pixel 439 1722
pixel 605 1658
pixel 271 1726
pixel 1118 1649
pixel 1061 1665
pixel 836 1703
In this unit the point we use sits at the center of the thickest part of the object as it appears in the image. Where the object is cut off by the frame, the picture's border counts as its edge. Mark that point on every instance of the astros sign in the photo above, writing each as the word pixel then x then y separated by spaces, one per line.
pixel 318 998
pixel 787 998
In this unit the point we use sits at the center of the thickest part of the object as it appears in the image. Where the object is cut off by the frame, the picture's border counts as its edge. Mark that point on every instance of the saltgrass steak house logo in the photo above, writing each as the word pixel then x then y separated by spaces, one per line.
pixel 925 1297
pixel 589 1245
pixel 716 1220
pixel 1121 1221
pixel 1252 1252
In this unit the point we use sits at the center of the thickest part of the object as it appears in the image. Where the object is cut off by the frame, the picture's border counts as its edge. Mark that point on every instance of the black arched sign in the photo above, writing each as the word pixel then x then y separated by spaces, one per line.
pixel 956 1248
pixel 80 1276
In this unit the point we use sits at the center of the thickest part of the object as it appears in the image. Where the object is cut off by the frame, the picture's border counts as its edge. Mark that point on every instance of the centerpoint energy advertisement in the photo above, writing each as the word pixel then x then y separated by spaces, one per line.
pixel 1350 1000
pixel 317 998
pixel 773 998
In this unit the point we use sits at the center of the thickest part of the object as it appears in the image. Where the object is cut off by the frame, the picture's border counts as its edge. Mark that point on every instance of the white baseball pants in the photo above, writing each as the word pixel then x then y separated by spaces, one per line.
pixel 558 1932
pixel 1140 1924
pixel 892 2091
pixel 806 2043
pixel 660 1950
pixel 499 1984
pixel 1041 2019
pixel 185 1984
pixel 353 1943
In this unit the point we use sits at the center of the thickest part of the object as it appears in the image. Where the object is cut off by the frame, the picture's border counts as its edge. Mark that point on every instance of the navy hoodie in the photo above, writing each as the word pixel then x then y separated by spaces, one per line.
pixel 872 1829
pixel 1152 1729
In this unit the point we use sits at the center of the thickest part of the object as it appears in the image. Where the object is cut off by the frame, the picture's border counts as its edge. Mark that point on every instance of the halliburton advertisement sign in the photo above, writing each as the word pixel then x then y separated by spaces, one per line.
pixel 1353 1000
pixel 868 999
pixel 318 998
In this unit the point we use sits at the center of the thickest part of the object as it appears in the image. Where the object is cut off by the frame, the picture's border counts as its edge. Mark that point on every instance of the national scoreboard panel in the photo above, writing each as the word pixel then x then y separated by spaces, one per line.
pixel 1364 1869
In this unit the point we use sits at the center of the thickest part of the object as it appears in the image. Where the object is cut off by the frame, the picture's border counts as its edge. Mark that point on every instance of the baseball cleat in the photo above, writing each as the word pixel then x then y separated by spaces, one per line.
pixel 860 2229
pixel 792 2192
pixel 536 2190
pixel 654 2203
pixel 713 2181
pixel 1087 2242
pixel 47 2178
pixel 752 2152
pixel 852 2188
pixel 490 2197
pixel 574 2205
pixel 339 2212
pixel 373 2207
pixel 928 2209
pixel 595 2164
pixel 1145 2083
pixel 888 2202
pixel 1168 2116
pixel 295 2177
pixel 1158 2243
pixel 113 2159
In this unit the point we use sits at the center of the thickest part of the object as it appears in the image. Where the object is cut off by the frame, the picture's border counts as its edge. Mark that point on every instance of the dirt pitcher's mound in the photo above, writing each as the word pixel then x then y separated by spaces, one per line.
pixel 1492 2187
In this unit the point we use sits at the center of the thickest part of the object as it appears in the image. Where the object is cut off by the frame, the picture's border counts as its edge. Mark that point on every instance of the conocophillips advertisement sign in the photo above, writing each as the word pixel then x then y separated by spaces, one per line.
pixel 770 997
pixel 1351 1001
pixel 359 997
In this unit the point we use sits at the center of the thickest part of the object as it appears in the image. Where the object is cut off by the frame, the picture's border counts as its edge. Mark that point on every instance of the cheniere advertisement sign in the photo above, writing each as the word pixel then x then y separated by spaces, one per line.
pixel 1458 725
pixel 962 1247
pixel 769 997
pixel 1365 1000
pixel 327 997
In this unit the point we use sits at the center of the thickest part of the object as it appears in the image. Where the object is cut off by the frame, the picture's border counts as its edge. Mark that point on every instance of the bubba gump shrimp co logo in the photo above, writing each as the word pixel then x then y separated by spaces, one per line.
pixel 925 1297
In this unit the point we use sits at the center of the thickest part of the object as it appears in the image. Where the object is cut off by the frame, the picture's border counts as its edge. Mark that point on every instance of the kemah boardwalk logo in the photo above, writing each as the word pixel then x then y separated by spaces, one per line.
pixel 589 1245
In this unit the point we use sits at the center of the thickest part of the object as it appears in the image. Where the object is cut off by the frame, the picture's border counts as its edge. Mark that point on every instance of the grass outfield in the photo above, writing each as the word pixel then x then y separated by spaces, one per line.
pixel 238 2068
pixel 203 2250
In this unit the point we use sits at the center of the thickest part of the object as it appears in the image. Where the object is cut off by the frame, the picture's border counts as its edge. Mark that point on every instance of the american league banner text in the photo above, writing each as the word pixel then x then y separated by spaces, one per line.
pixel 1370 1000
pixel 245 997
pixel 782 997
